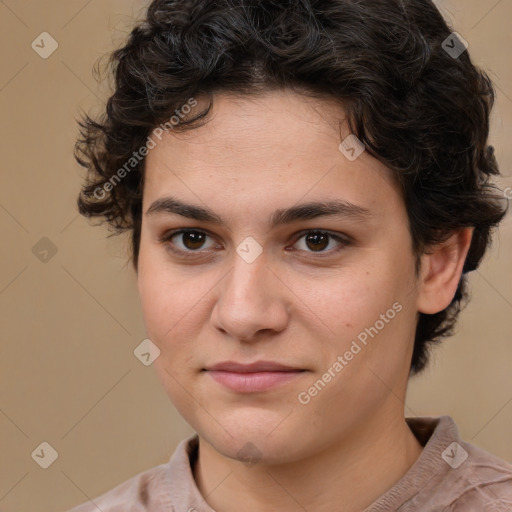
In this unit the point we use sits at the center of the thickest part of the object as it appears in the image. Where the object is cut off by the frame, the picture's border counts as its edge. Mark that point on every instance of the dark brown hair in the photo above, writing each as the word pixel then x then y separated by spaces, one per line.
pixel 419 109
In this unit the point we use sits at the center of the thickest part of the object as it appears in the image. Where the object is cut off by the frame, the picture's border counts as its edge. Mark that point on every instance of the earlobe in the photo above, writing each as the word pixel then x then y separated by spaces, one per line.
pixel 441 269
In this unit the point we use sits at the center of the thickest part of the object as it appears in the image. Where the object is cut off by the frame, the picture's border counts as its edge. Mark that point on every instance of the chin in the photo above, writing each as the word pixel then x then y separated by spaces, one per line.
pixel 256 440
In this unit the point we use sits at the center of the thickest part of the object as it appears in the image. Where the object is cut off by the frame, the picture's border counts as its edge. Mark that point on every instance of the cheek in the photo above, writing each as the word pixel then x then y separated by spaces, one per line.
pixel 165 307
pixel 173 306
pixel 368 310
pixel 160 297
pixel 163 292
pixel 153 300
pixel 352 299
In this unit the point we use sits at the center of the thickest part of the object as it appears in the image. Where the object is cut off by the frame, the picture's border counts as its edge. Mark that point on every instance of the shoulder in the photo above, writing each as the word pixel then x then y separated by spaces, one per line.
pixel 451 475
pixel 483 481
pixel 459 476
pixel 162 488
pixel 143 492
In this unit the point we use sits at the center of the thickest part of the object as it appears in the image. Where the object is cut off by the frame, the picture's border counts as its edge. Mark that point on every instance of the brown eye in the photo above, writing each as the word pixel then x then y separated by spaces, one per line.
pixel 318 241
pixel 193 240
pixel 187 242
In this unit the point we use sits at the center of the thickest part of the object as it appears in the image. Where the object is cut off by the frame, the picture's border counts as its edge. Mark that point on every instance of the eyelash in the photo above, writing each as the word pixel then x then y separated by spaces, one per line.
pixel 166 240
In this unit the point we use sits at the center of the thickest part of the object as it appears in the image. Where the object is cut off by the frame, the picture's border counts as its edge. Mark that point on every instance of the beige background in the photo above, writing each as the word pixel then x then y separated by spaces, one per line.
pixel 70 325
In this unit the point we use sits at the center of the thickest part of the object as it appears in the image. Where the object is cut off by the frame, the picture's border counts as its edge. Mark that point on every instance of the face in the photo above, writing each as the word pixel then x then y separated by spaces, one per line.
pixel 332 296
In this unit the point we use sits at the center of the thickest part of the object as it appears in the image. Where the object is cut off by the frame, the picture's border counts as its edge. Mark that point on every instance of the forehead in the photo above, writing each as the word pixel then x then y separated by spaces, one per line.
pixel 277 147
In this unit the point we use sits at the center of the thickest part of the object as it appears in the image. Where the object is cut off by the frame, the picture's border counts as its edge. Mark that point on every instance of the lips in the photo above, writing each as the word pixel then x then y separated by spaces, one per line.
pixel 258 366
pixel 253 378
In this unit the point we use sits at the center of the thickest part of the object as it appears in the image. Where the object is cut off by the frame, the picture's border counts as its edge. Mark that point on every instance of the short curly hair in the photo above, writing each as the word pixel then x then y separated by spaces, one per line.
pixel 418 108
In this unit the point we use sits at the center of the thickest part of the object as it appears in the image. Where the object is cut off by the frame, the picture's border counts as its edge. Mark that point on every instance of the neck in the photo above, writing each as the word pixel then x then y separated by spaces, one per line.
pixel 349 475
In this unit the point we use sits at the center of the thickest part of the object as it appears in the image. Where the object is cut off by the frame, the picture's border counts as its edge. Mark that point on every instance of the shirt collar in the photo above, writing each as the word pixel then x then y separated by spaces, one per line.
pixel 434 433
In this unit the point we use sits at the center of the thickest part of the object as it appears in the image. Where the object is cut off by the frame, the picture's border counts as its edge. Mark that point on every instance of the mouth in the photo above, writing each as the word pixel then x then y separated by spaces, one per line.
pixel 253 378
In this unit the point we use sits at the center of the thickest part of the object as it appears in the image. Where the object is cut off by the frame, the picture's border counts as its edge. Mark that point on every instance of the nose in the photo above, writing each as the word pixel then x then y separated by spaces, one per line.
pixel 252 302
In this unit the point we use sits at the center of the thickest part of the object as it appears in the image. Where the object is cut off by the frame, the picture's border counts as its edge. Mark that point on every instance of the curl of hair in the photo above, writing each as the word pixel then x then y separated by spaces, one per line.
pixel 421 112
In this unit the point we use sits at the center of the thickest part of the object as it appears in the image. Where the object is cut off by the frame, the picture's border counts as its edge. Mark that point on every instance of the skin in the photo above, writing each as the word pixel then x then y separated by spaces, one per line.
pixel 350 443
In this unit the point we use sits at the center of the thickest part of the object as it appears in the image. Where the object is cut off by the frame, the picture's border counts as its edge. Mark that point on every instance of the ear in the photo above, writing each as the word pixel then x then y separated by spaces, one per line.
pixel 441 269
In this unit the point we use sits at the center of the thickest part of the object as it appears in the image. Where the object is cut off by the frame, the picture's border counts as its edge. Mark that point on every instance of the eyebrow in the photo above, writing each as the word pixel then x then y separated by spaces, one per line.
pixel 305 211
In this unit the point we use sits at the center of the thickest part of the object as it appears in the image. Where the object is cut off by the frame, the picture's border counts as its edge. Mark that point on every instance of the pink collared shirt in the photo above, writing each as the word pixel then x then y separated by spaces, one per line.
pixel 449 476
